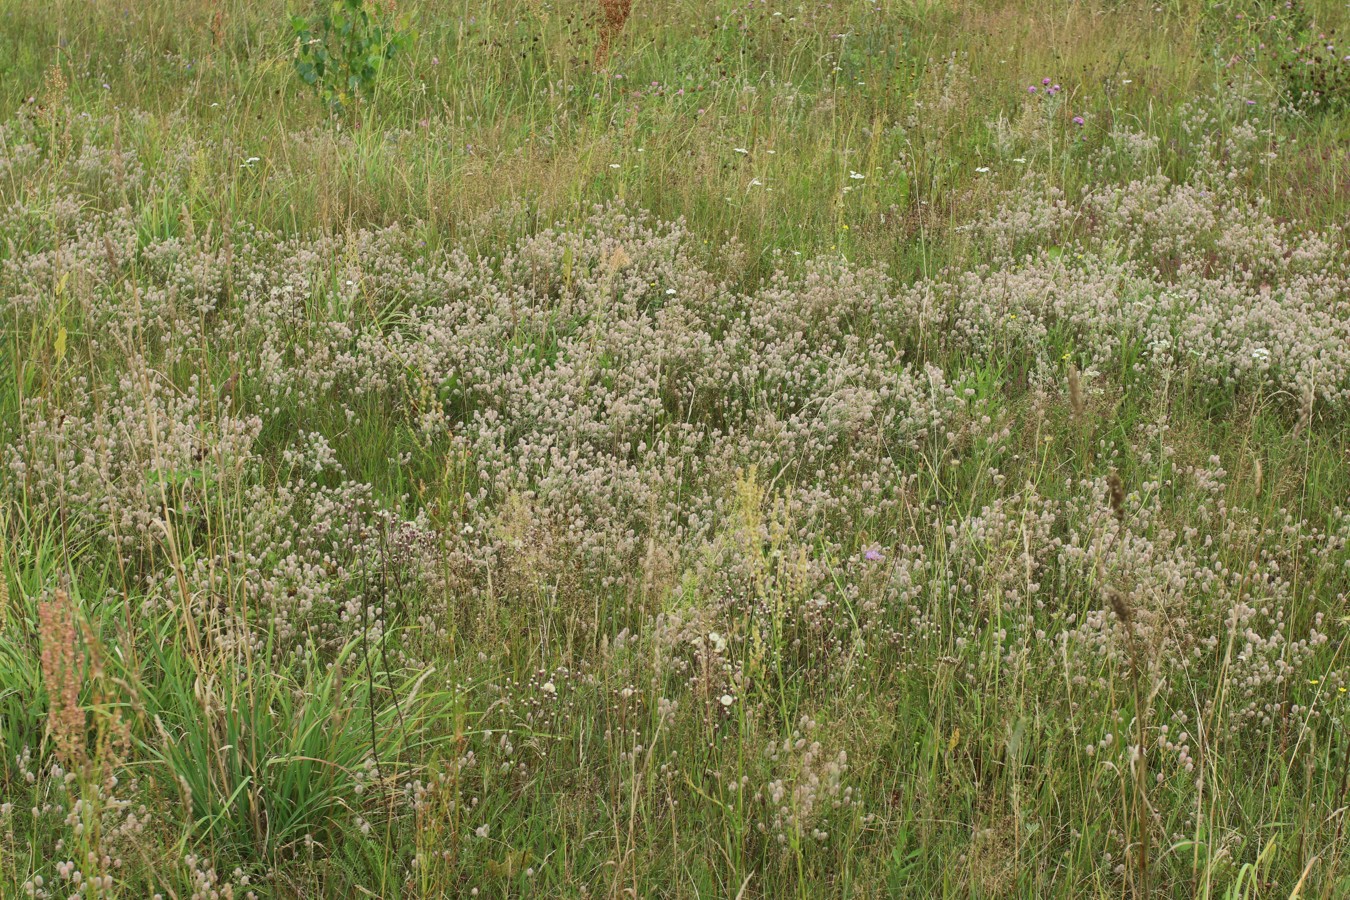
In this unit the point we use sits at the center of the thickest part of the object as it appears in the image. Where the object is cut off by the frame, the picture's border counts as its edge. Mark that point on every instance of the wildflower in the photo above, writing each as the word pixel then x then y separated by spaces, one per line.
pixel 727 700
pixel 481 830
pixel 1078 120
pixel 856 176
pixel 872 554
pixel 982 169
pixel 549 688
pixel 741 150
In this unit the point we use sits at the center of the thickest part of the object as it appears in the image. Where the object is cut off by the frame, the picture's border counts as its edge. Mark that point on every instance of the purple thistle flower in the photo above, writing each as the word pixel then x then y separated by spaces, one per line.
pixel 873 554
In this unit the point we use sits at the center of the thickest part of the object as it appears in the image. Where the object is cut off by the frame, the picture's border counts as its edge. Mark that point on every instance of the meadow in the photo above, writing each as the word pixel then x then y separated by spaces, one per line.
pixel 686 448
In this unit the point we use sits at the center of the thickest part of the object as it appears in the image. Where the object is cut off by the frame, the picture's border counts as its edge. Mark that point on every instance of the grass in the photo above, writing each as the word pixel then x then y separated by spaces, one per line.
pixel 790 456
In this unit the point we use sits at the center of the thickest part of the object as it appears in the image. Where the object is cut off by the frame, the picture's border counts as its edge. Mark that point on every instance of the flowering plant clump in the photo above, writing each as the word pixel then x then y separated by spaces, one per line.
pixel 1310 60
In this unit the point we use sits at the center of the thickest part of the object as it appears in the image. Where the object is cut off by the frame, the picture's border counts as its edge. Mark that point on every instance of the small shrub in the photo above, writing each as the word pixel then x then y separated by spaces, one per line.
pixel 343 50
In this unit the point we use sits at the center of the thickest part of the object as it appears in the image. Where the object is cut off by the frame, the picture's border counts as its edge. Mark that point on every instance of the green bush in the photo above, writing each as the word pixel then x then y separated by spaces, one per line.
pixel 343 50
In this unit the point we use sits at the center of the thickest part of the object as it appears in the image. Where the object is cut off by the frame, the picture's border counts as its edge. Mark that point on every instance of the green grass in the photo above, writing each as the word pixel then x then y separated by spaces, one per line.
pixel 301 674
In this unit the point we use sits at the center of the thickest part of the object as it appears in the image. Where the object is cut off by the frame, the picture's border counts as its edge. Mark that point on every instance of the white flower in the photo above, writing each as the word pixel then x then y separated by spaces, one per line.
pixel 727 700
pixel 549 688
pixel 742 150
pixel 856 176
pixel 718 642
pixel 982 169
pixel 613 165
pixel 755 182
pixel 481 830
